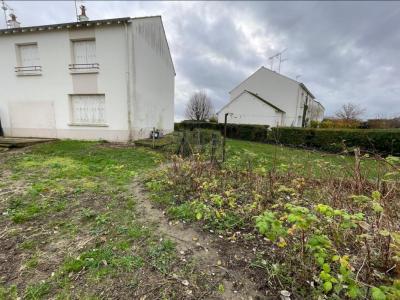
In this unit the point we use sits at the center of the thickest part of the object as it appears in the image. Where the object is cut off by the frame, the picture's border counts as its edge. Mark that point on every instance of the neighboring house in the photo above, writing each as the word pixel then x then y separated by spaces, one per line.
pixel 269 98
pixel 107 79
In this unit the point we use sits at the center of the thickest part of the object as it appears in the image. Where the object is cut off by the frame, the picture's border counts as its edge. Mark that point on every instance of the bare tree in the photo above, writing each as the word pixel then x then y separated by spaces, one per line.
pixel 350 111
pixel 199 107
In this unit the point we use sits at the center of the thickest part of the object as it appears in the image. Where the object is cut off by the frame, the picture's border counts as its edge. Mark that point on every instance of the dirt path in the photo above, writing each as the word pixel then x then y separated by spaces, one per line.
pixel 197 245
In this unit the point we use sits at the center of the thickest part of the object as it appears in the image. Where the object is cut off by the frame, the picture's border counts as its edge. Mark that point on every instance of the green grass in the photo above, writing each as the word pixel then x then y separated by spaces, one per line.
pixel 37 291
pixel 72 202
pixel 303 162
pixel 59 169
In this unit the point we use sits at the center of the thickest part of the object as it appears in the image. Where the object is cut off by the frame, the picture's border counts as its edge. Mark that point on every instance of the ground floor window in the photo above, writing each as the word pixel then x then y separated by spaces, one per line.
pixel 88 109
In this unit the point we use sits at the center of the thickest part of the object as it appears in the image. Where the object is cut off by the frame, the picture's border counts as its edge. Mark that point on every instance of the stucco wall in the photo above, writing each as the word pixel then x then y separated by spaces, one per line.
pixel 279 90
pixel 247 109
pixel 39 105
pixel 154 79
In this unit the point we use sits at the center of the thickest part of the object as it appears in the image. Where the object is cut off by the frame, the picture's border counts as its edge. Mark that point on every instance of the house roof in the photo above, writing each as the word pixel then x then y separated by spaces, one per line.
pixel 257 97
pixel 58 26
pixel 265 101
pixel 278 74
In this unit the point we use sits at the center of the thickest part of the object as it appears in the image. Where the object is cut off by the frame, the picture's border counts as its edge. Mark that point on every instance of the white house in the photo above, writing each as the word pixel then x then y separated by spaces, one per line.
pixel 269 98
pixel 107 79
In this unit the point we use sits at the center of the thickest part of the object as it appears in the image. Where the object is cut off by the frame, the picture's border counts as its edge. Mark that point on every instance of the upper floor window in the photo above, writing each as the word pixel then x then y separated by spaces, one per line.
pixel 84 56
pixel 28 62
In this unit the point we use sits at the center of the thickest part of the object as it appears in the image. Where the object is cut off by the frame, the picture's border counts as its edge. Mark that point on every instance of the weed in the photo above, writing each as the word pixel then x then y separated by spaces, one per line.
pixel 336 237
pixel 8 293
pixel 162 255
pixel 28 245
pixel 37 291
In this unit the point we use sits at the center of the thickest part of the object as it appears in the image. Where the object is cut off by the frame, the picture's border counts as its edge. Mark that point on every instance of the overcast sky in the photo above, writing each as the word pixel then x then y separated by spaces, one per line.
pixel 343 51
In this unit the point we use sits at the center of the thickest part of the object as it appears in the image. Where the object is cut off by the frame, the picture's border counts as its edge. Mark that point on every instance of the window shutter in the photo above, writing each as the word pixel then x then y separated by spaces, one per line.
pixel 29 55
pixel 91 52
pixel 88 109
pixel 84 52
pixel 79 53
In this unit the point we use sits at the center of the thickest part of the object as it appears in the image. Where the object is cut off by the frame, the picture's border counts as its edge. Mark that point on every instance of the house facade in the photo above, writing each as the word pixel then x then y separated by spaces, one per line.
pixel 269 98
pixel 108 79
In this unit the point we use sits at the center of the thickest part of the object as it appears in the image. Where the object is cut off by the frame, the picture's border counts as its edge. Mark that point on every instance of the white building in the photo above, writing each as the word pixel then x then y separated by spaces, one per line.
pixel 105 79
pixel 269 98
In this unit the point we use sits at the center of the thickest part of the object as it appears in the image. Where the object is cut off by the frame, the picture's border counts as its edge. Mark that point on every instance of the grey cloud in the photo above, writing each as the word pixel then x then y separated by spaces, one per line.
pixel 344 51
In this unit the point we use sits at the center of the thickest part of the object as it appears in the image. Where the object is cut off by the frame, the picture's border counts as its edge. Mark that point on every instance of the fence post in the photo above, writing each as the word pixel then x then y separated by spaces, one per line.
pixel 224 140
pixel 213 147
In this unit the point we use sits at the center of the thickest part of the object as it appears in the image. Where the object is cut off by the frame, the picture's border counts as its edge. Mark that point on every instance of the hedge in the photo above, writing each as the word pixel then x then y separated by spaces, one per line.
pixel 383 141
pixel 256 133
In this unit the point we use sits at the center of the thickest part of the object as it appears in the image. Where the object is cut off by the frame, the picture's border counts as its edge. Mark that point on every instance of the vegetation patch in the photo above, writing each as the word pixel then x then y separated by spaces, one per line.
pixel 70 228
pixel 315 234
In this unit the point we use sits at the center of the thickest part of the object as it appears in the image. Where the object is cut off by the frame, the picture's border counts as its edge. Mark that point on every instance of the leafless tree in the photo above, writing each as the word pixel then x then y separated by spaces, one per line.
pixel 199 107
pixel 350 111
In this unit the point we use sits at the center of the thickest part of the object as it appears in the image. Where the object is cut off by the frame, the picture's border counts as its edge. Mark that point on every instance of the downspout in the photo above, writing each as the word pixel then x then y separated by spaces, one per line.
pixel 128 82
pixel 305 109
pixel 296 117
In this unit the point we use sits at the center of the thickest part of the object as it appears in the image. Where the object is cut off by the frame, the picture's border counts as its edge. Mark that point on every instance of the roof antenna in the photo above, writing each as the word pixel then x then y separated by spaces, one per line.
pixel 4 8
pixel 9 23
pixel 280 60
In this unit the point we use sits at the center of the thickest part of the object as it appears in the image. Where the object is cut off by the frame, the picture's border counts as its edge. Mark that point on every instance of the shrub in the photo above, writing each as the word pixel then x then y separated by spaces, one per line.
pixel 337 140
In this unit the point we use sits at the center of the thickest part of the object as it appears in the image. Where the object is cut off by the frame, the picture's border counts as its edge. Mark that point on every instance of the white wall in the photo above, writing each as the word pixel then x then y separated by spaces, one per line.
pixel 39 106
pixel 24 100
pixel 276 89
pixel 281 91
pixel 247 109
pixel 154 79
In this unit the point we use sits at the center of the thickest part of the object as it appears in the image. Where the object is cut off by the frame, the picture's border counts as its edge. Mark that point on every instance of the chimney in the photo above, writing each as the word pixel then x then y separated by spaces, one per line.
pixel 82 17
pixel 13 23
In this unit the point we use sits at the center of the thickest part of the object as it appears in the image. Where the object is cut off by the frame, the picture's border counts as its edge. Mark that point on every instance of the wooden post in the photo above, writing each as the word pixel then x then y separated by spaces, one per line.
pixel 224 140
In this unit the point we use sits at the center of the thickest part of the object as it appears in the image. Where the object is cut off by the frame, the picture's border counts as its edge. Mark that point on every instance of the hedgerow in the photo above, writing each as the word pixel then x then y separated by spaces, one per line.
pixel 382 141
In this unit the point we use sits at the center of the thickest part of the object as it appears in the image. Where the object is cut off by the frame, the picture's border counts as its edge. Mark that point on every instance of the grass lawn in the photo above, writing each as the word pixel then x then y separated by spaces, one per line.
pixel 303 162
pixel 69 228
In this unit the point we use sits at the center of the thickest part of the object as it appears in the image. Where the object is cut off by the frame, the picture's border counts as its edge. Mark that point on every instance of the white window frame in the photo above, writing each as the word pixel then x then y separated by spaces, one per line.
pixel 27 70
pixel 83 67
pixel 74 122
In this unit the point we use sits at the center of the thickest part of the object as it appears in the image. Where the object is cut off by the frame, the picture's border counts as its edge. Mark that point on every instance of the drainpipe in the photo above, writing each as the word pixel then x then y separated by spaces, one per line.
pixel 304 123
pixel 128 81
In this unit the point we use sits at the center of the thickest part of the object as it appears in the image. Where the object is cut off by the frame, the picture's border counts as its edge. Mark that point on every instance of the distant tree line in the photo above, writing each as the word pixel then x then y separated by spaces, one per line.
pixel 350 116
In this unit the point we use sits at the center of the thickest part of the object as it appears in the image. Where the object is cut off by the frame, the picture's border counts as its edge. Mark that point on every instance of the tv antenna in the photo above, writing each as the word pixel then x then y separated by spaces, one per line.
pixel 78 3
pixel 280 60
pixel 5 7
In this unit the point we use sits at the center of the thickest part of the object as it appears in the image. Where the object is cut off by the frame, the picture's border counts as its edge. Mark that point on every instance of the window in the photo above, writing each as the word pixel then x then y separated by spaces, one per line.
pixel 28 60
pixel 84 55
pixel 88 110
